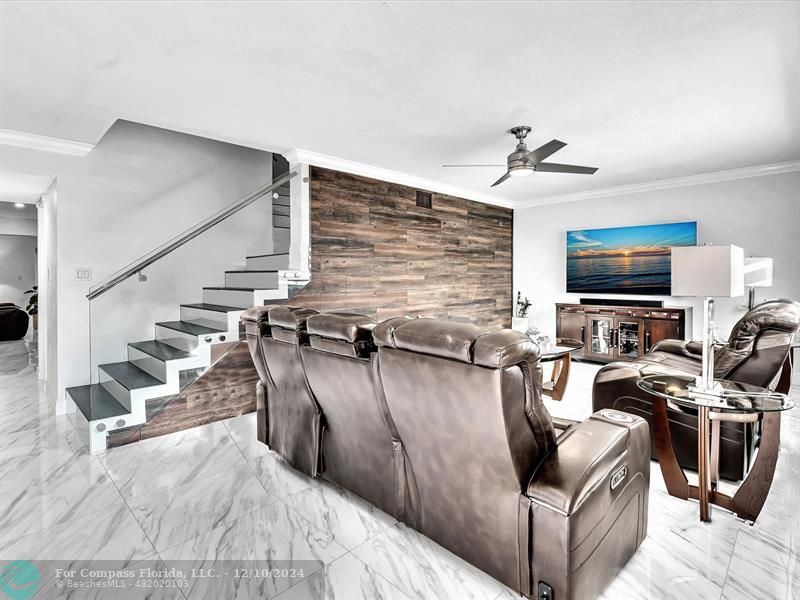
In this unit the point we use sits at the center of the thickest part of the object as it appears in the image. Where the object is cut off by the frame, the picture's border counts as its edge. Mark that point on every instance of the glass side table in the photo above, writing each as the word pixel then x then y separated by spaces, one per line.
pixel 559 354
pixel 735 402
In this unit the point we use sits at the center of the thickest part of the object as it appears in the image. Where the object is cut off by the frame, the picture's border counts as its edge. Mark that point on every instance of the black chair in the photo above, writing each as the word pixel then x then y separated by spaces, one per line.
pixel 13 322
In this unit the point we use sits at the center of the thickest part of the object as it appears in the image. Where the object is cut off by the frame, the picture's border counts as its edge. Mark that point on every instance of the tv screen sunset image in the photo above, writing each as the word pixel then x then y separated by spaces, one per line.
pixel 625 260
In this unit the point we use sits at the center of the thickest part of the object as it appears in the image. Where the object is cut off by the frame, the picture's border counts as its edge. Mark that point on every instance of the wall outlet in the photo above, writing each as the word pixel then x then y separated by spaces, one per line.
pixel 83 274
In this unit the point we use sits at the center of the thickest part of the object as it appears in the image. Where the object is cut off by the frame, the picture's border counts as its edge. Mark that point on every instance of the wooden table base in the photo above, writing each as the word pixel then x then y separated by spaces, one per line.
pixel 749 499
pixel 558 379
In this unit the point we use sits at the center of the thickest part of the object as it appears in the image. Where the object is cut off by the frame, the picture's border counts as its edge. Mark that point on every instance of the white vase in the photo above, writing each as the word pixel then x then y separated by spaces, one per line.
pixel 519 324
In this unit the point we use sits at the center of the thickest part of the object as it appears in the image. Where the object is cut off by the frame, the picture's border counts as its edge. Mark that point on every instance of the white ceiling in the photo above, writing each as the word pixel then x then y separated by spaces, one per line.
pixel 22 187
pixel 642 90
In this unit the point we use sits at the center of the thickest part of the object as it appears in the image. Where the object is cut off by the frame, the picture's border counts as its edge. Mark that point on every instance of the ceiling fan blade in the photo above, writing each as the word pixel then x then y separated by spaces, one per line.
pixel 557 168
pixel 501 180
pixel 542 152
pixel 504 166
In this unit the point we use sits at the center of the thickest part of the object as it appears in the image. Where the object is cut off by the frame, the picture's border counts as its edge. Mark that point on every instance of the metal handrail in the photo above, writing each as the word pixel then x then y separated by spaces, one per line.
pixel 178 241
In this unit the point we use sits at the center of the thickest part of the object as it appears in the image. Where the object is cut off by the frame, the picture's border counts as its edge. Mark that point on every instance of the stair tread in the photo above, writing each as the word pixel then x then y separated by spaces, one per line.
pixel 214 307
pixel 129 376
pixel 160 350
pixel 253 271
pixel 235 289
pixel 95 402
pixel 190 328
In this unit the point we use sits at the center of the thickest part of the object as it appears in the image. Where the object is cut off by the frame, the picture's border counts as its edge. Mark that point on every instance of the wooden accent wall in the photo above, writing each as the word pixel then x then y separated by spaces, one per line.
pixel 375 252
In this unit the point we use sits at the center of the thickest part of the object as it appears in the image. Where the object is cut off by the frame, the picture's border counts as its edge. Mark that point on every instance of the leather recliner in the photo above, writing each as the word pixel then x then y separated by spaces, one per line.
pixel 490 479
pixel 361 450
pixel 293 418
pixel 476 462
pixel 755 353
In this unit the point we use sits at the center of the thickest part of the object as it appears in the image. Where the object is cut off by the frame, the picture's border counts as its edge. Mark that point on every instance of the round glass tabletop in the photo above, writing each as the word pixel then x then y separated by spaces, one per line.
pixel 562 346
pixel 727 396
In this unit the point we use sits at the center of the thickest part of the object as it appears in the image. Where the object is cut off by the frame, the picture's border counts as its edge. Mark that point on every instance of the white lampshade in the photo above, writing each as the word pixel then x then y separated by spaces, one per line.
pixel 757 272
pixel 708 271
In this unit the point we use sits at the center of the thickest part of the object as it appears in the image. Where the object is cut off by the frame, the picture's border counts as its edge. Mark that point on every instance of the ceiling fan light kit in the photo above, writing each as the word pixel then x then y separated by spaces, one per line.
pixel 523 162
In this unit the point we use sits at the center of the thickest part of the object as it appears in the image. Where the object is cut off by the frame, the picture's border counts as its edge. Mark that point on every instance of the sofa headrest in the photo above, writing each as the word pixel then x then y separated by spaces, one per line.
pixel 345 327
pixel 256 314
pixel 256 320
pixel 383 334
pixel 778 315
pixel 290 317
pixel 777 320
pixel 504 347
pixel 346 334
pixel 458 341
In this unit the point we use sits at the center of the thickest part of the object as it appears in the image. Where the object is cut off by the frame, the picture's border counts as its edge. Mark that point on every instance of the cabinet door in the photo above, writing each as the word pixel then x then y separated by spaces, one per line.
pixel 572 326
pixel 629 338
pixel 661 329
pixel 599 339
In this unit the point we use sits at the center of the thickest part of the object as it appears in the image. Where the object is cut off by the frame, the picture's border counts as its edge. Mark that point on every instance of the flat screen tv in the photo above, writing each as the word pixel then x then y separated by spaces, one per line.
pixel 625 260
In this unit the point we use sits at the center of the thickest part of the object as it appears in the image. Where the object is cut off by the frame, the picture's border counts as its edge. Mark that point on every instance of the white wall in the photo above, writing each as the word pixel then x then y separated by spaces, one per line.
pixel 138 188
pixel 760 214
pixel 12 226
pixel 17 268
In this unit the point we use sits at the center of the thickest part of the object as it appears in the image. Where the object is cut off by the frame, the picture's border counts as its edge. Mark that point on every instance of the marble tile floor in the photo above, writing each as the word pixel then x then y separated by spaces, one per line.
pixel 216 493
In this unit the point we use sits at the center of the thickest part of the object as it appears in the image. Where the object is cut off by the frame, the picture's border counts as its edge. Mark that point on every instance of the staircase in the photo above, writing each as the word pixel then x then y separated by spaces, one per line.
pixel 180 351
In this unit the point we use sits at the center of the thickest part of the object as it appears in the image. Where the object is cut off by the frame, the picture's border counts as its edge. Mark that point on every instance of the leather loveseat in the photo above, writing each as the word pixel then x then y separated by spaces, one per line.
pixel 442 425
pixel 756 353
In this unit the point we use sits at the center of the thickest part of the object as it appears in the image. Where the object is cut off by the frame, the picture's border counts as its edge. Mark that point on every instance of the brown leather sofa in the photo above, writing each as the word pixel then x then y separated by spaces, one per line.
pixel 442 425
pixel 756 353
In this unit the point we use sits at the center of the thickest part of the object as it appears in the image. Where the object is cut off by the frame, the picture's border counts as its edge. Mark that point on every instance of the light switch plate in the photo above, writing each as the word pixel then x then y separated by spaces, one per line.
pixel 83 274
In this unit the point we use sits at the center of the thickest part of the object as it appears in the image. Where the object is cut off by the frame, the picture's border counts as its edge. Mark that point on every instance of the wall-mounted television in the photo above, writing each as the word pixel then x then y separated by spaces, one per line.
pixel 625 260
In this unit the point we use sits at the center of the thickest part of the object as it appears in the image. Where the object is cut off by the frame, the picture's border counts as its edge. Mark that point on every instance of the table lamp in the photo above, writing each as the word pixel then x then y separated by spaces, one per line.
pixel 708 272
pixel 757 273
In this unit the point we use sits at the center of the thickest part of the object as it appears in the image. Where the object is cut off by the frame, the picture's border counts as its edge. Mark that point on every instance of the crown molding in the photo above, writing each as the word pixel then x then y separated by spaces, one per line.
pixel 297 155
pixel 666 184
pixel 45 143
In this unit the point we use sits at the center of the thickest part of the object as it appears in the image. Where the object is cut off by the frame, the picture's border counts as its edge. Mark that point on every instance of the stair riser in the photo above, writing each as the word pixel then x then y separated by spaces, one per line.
pixel 281 220
pixel 253 279
pixel 280 240
pixel 116 389
pixel 187 342
pixel 266 263
pixel 277 209
pixel 149 364
pixel 207 318
pixel 170 370
pixel 228 297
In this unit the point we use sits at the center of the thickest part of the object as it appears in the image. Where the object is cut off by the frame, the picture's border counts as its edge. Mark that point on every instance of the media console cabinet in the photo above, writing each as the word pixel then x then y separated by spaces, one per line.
pixel 620 332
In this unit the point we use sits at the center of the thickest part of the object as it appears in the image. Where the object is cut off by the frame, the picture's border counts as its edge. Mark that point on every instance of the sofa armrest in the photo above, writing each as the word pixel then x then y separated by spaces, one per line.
pixel 587 457
pixel 588 505
pixel 692 348
pixel 679 347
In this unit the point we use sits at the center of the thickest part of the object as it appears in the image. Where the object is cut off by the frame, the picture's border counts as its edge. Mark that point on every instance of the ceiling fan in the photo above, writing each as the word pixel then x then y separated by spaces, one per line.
pixel 523 162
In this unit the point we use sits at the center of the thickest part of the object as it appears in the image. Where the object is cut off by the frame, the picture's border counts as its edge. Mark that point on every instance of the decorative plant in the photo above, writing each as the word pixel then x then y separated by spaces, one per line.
pixel 523 304
pixel 33 301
